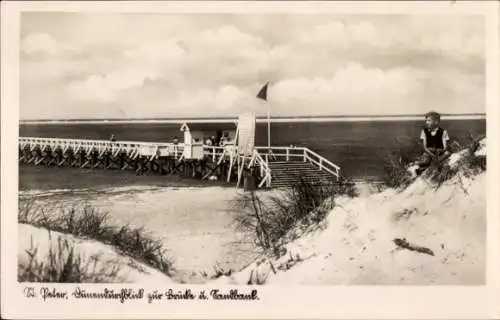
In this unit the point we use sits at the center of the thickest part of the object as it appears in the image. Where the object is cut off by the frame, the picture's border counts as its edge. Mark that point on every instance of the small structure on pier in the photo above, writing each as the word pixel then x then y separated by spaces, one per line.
pixel 197 134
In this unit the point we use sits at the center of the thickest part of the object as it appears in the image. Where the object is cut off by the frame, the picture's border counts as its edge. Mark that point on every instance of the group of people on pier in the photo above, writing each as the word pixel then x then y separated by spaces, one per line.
pixel 219 140
pixel 213 141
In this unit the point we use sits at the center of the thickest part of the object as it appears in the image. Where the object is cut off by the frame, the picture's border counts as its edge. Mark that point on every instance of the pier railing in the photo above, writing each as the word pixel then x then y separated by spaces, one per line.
pixel 321 162
pixel 132 148
pixel 299 154
pixel 218 153
pixel 265 171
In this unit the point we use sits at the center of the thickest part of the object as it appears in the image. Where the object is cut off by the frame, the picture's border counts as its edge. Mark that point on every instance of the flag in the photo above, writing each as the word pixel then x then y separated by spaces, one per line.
pixel 263 92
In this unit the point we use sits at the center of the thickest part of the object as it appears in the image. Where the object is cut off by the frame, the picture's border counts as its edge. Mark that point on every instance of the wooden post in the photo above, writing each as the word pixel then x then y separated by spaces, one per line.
pixel 241 166
pixel 85 159
pixel 150 165
pixel 231 162
pixel 68 157
pixel 21 155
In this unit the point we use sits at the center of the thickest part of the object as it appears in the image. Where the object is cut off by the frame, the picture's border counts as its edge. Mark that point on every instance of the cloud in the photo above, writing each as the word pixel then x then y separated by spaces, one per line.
pixel 94 88
pixel 353 80
pixel 222 53
pixel 40 43
pixel 167 50
pixel 221 101
pixel 420 35
pixel 213 65
pixel 45 44
pixel 353 89
pixel 137 65
pixel 106 88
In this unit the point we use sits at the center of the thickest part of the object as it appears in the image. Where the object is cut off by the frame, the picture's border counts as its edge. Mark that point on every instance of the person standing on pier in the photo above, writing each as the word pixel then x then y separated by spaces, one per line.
pixel 208 142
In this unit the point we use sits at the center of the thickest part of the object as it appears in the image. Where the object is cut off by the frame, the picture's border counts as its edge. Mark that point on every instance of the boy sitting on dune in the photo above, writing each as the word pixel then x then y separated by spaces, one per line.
pixel 434 141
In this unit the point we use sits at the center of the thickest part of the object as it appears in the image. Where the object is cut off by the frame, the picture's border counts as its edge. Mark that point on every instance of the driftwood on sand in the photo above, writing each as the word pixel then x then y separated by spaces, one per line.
pixel 404 244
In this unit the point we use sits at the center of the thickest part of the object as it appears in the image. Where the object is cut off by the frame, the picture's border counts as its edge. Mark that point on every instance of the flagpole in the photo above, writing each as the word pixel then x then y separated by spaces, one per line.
pixel 268 126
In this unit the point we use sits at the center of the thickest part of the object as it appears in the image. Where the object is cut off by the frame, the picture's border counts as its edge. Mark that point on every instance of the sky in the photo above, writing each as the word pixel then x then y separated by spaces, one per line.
pixel 109 65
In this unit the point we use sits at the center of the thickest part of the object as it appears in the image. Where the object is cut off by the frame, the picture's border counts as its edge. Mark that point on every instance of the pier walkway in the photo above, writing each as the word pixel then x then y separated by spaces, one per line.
pixel 272 167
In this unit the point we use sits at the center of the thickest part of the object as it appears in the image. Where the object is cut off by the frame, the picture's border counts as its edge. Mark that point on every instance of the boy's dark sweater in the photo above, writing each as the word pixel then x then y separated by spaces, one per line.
pixel 434 141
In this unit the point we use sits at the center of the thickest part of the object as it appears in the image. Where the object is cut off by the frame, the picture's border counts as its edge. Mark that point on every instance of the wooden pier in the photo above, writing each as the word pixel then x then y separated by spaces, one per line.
pixel 272 166
pixel 238 157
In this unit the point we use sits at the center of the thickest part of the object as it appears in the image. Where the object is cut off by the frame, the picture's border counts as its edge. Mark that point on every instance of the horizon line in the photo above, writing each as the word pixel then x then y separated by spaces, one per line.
pixel 320 118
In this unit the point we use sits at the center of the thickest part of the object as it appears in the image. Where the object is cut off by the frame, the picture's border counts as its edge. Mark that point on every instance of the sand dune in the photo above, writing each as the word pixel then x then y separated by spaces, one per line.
pixel 129 270
pixel 357 247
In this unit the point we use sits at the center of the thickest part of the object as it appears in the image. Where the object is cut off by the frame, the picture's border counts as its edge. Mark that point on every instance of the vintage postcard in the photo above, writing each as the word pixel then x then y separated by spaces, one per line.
pixel 250 160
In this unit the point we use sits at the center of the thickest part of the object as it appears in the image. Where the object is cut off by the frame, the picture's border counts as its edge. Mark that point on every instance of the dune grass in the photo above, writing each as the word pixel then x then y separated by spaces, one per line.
pixel 89 223
pixel 63 265
pixel 469 164
pixel 396 164
pixel 271 220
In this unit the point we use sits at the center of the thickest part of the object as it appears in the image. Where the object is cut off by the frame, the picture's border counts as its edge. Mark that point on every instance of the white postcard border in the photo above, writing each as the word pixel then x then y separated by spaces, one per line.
pixel 283 302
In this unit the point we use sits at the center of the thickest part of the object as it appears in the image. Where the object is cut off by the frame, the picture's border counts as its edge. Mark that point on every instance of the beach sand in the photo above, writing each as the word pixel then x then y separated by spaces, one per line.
pixel 194 224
